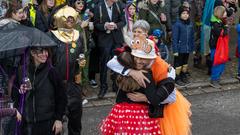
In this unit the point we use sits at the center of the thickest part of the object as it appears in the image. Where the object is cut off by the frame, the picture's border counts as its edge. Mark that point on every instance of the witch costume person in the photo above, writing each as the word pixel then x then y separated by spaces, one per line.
pixel 65 59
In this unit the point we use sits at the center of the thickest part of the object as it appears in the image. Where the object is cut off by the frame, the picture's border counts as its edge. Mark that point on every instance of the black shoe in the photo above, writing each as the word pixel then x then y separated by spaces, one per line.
pixel 215 84
pixel 184 78
pixel 197 61
pixel 187 74
pixel 101 94
pixel 103 91
pixel 179 82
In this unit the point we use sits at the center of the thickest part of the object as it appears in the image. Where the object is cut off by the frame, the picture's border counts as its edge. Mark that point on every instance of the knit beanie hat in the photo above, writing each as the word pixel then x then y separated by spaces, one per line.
pixel 182 9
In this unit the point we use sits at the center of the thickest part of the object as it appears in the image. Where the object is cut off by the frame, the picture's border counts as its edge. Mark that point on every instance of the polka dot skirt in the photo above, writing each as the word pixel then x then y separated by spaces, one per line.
pixel 130 119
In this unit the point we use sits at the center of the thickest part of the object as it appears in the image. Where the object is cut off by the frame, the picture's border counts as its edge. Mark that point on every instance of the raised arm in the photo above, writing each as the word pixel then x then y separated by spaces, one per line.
pixel 137 75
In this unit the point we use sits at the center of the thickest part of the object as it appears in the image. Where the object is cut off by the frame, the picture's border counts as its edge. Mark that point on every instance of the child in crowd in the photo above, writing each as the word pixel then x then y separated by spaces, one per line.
pixel 163 49
pixel 183 44
pixel 217 26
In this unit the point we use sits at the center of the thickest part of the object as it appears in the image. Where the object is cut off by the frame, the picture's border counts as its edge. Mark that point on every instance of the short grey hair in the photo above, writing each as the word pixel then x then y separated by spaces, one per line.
pixel 142 24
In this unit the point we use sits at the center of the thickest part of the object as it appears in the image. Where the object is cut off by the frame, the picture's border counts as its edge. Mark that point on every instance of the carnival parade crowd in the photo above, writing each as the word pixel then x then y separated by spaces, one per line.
pixel 51 49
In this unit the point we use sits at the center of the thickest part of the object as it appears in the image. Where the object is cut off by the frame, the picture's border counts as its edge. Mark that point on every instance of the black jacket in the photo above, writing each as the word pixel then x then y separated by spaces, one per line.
pixel 41 22
pixel 155 95
pixel 115 37
pixel 215 33
pixel 60 54
pixel 47 99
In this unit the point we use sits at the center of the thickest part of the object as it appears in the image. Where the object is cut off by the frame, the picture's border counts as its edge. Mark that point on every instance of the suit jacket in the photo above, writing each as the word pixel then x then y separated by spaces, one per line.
pixel 115 38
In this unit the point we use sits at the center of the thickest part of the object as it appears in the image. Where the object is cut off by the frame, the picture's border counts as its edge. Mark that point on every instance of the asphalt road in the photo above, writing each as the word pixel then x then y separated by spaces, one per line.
pixel 213 114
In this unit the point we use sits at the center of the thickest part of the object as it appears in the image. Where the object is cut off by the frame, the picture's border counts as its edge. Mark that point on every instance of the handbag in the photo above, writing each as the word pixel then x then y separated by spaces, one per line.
pixel 222 50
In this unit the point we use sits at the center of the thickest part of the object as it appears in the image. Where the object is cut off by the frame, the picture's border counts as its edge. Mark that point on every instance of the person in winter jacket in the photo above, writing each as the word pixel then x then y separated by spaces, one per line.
pixel 154 12
pixel 12 17
pixel 183 45
pixel 85 26
pixel 172 8
pixel 42 14
pixel 163 49
pixel 30 10
pixel 109 19
pixel 45 97
pixel 217 26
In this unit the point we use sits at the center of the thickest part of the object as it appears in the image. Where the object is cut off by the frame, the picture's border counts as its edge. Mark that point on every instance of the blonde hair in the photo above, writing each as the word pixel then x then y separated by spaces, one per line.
pixel 219 11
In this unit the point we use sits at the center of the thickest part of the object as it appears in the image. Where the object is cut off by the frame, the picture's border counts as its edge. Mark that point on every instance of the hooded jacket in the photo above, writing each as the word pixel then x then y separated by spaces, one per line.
pixel 216 27
pixel 145 14
pixel 183 37
pixel 172 9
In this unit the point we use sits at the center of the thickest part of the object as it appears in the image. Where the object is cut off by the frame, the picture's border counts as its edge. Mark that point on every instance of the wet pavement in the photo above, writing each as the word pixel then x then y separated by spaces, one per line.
pixel 212 114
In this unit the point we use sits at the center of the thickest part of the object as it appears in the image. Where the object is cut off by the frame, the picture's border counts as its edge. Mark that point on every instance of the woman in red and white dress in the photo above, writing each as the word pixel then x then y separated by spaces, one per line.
pixel 129 117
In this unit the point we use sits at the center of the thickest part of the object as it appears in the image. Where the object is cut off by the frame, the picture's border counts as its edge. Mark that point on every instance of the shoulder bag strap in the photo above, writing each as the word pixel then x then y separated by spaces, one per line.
pixel 156 17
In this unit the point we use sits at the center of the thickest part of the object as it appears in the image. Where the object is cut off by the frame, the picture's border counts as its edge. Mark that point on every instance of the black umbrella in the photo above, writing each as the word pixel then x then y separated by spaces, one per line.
pixel 15 38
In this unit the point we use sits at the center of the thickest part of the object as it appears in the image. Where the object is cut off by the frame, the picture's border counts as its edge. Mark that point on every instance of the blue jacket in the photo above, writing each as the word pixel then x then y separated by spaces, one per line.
pixel 238 31
pixel 183 37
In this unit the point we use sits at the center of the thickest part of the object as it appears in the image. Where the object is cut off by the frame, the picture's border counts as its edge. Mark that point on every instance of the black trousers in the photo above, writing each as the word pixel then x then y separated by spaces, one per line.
pixel 74 108
pixel 74 122
pixel 105 55
pixel 93 63
pixel 181 59
pixel 39 128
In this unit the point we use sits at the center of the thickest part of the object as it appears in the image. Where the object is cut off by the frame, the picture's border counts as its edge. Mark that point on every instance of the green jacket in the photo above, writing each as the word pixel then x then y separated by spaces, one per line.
pixel 145 14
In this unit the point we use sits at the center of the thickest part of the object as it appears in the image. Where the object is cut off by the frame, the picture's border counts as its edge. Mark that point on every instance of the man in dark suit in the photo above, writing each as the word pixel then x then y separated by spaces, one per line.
pixel 109 19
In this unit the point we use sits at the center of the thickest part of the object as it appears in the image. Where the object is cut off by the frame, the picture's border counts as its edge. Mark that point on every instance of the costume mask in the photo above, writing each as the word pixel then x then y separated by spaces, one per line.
pixel 61 16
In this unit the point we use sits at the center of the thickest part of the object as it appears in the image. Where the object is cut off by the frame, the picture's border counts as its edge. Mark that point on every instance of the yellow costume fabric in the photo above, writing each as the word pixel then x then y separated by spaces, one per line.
pixel 60 2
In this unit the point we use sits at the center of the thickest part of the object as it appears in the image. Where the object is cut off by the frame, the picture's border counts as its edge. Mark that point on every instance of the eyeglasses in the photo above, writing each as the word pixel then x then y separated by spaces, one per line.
pixel 40 50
